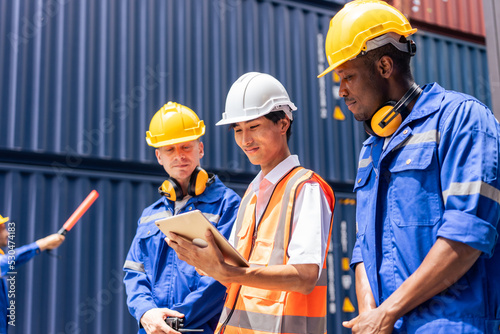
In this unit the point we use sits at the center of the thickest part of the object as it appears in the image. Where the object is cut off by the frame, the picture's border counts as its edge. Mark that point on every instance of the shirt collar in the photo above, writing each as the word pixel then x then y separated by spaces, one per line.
pixel 428 102
pixel 277 172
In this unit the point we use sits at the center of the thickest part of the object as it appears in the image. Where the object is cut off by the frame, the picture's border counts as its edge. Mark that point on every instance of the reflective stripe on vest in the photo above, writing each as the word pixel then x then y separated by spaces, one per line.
pixel 268 323
pixel 269 311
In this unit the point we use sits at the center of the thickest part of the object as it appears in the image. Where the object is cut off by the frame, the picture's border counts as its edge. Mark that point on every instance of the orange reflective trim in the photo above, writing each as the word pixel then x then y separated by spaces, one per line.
pixel 243 224
pixel 243 321
pixel 283 230
pixel 268 311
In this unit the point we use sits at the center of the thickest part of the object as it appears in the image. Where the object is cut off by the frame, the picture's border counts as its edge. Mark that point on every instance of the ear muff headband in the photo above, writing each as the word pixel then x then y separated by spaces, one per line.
pixel 389 117
pixel 198 182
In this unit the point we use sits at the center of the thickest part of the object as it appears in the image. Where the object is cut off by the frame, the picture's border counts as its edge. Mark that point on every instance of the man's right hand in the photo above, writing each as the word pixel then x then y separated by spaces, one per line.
pixel 153 320
pixel 50 242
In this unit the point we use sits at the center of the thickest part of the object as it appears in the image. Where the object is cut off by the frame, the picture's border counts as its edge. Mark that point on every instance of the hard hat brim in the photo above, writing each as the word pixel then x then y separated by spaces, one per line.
pixel 3 220
pixel 247 118
pixel 328 70
pixel 173 141
pixel 233 120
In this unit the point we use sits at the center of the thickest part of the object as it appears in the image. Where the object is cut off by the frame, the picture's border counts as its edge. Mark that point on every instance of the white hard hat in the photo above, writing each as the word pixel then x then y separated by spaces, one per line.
pixel 253 95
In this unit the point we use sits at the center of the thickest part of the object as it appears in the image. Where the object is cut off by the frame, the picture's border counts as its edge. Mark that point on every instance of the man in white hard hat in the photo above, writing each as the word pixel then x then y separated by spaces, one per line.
pixel 13 259
pixel 283 225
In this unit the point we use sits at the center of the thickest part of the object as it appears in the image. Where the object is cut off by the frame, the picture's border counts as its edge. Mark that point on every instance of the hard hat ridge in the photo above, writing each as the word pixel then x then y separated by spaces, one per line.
pixel 174 124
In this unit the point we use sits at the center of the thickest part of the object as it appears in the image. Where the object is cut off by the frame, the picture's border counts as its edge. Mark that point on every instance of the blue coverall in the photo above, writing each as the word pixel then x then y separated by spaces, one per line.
pixel 438 176
pixel 22 255
pixel 156 278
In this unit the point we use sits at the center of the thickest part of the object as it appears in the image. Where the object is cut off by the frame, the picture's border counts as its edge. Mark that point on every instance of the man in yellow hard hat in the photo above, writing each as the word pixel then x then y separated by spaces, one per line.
pixel 426 258
pixel 158 284
pixel 13 259
pixel 283 227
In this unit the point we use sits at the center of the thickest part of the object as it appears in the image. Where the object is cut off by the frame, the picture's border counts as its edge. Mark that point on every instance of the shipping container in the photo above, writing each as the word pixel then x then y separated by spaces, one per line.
pixel 78 287
pixel 453 63
pixel 86 80
pixel 457 18
pixel 79 83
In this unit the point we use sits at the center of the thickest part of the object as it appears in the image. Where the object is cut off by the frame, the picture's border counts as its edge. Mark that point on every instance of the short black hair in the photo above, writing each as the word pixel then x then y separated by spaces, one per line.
pixel 400 59
pixel 275 116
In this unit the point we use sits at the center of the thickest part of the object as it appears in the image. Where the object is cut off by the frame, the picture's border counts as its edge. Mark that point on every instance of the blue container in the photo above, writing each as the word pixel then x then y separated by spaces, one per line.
pixel 77 288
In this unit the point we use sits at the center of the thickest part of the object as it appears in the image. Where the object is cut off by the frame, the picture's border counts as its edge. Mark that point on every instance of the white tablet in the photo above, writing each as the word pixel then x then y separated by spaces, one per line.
pixel 192 226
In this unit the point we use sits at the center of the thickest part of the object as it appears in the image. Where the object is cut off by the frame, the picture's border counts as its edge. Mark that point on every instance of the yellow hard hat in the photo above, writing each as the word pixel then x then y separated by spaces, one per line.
pixel 358 22
pixel 174 124
pixel 3 220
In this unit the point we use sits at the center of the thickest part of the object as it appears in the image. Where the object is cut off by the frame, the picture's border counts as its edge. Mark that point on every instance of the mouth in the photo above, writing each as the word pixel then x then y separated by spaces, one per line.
pixel 250 150
pixel 349 103
pixel 181 166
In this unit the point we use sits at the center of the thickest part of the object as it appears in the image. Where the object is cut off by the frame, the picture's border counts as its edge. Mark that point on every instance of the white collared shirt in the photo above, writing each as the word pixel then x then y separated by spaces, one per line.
pixel 311 218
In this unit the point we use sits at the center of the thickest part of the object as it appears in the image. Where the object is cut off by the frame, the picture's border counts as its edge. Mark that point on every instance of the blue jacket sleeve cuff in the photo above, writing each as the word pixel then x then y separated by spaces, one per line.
pixel 356 256
pixel 470 230
pixel 139 312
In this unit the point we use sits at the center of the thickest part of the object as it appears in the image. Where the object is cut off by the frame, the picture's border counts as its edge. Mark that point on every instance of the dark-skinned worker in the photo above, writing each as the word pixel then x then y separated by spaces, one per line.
pixel 13 258
pixel 426 257
pixel 283 226
pixel 157 283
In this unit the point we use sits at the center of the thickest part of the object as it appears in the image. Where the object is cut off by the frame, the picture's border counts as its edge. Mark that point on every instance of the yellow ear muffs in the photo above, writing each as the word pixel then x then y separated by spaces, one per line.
pixel 389 117
pixel 171 189
pixel 386 121
pixel 198 182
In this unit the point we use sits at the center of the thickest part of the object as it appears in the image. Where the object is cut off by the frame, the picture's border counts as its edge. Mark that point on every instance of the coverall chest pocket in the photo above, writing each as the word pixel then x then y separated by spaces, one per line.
pixel 414 188
pixel 148 243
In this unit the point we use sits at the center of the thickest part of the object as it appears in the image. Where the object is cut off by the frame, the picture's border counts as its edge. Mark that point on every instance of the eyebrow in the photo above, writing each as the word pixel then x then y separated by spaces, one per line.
pixel 232 126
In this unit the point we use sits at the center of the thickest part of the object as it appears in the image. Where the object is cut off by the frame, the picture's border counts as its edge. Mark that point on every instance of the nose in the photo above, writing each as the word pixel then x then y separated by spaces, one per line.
pixel 179 153
pixel 246 137
pixel 342 89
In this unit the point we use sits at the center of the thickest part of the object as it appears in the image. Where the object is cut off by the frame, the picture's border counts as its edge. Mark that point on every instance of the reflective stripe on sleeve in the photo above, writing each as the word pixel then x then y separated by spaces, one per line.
pixel 212 218
pixel 134 266
pixel 472 188
pixel 156 216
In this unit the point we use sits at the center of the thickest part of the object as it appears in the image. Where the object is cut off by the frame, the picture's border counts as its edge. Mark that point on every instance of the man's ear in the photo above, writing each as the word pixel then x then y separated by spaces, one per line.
pixel 202 150
pixel 158 157
pixel 285 124
pixel 385 66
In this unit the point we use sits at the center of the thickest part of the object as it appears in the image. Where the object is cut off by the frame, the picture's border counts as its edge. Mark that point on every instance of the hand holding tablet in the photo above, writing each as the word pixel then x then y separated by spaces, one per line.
pixel 192 226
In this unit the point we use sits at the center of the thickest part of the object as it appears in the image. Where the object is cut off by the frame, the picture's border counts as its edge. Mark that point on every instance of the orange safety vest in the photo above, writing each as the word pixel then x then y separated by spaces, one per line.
pixel 253 310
